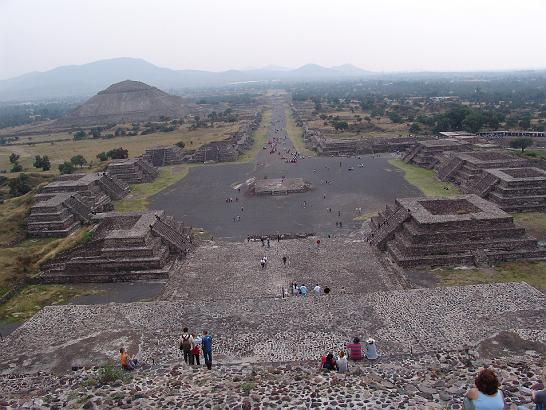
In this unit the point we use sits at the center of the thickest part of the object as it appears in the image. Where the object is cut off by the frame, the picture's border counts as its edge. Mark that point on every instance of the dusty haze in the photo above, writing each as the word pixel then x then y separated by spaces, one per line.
pixel 390 35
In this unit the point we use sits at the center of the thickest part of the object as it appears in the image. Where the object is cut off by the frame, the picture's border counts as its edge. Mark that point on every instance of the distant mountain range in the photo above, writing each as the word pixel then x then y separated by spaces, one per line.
pixel 88 79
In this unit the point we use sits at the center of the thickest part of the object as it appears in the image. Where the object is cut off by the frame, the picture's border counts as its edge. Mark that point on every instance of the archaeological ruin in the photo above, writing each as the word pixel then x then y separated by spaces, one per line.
pixel 426 153
pixel 64 204
pixel 123 247
pixel 132 170
pixel 439 231
pixel 278 186
pixel 230 148
pixel 512 189
pixel 163 155
pixel 464 168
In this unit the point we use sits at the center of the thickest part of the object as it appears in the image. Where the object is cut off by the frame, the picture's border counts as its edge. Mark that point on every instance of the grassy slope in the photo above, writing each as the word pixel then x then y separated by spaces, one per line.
pixel 137 200
pixel 534 223
pixel 295 134
pixel 531 272
pixel 424 179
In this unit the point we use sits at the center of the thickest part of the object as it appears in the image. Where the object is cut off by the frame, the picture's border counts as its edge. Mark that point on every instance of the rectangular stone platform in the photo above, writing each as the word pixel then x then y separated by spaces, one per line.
pixel 279 186
pixel 163 155
pixel 438 231
pixel 132 170
pixel 426 153
pixel 124 246
pixel 516 189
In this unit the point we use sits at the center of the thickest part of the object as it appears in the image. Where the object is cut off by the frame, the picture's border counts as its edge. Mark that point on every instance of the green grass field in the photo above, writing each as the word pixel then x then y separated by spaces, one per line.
pixel 89 148
pixel 531 272
pixel 424 179
pixel 295 134
pixel 260 138
pixel 137 200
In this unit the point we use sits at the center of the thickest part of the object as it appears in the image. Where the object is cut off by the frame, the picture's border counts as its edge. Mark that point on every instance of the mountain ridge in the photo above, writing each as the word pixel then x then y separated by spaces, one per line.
pixel 87 79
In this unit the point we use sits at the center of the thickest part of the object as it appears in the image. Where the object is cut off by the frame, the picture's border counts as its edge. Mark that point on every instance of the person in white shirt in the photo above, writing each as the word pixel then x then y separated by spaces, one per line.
pixel 316 289
pixel 341 363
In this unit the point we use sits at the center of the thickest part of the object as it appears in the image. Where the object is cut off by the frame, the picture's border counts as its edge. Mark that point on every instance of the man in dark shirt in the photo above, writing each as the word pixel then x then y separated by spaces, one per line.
pixel 206 343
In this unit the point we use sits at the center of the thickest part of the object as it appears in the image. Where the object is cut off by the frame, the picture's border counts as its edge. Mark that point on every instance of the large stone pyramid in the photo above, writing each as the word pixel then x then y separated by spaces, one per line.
pixel 127 101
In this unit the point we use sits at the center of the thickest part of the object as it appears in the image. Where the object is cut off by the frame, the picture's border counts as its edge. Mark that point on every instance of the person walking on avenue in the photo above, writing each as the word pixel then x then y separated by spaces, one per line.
pixel 186 344
pixel 206 343
pixel 268 243
pixel 284 259
pixel 316 289
pixel 303 290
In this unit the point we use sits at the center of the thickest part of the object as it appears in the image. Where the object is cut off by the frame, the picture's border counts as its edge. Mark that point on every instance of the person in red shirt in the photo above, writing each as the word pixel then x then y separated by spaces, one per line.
pixel 355 349
pixel 196 351
pixel 328 362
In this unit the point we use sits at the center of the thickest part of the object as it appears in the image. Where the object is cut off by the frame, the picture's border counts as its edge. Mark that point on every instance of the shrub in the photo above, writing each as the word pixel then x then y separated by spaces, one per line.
pixel 66 168
pixel 109 374
pixel 19 186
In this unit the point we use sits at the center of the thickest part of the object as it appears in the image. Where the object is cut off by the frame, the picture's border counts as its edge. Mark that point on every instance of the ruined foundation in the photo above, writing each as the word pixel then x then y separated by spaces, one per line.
pixel 123 247
pixel 513 189
pixel 132 170
pixel 163 155
pixel 426 153
pixel 63 205
pixel 279 186
pixel 438 231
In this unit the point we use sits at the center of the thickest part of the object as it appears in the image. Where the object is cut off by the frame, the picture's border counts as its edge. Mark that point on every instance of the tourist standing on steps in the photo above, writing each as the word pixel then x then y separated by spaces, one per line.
pixel 186 344
pixel 195 351
pixel 303 290
pixel 262 263
pixel 284 259
pixel 316 289
pixel 486 395
pixel 206 342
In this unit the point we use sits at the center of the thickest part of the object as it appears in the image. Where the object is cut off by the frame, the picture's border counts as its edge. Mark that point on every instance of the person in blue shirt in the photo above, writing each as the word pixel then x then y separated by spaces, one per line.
pixel 303 290
pixel 206 343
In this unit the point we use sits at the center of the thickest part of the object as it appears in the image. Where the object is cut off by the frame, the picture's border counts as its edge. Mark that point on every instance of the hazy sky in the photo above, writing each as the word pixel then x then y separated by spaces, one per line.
pixel 379 35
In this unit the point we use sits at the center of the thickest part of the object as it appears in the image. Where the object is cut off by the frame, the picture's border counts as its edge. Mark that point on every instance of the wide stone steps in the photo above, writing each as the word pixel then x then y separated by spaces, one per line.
pixel 448 170
pixel 79 209
pixel 386 231
pixel 169 234
pixel 482 186
pixel 411 154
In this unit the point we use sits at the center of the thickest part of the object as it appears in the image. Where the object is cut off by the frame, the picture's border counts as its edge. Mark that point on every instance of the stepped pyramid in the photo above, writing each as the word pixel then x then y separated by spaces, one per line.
pixel 124 247
pixel 126 101
pixel 132 170
pixel 439 231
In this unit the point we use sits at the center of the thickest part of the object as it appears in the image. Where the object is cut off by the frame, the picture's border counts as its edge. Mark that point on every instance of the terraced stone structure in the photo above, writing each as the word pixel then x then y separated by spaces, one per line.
pixel 278 186
pixel 123 247
pixel 63 205
pixel 513 189
pixel 439 231
pixel 229 149
pixel 58 215
pixel 426 153
pixel 163 155
pixel 465 167
pixel 132 170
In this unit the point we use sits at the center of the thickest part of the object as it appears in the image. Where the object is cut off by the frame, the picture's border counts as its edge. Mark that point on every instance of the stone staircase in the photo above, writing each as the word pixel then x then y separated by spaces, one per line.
pixel 386 230
pixel 111 187
pixel 170 234
pixel 483 185
pixel 448 170
pixel 148 168
pixel 411 154
pixel 79 209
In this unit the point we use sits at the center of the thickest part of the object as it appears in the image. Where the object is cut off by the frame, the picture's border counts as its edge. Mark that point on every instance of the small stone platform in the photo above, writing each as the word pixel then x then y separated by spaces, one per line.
pixel 513 189
pixel 465 167
pixel 426 153
pixel 163 155
pixel 439 231
pixel 123 247
pixel 132 170
pixel 279 186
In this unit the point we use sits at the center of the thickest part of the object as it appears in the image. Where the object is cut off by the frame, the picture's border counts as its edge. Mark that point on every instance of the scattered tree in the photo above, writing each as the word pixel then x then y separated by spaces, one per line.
pixel 16 167
pixel 521 143
pixel 66 168
pixel 102 156
pixel 13 158
pixel 180 144
pixel 118 153
pixel 78 160
pixel 414 128
pixel 341 125
pixel 79 135
pixel 42 162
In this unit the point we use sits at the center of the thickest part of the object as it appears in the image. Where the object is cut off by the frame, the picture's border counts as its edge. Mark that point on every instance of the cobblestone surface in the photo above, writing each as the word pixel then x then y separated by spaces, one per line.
pixel 413 382
pixel 274 329
pixel 222 270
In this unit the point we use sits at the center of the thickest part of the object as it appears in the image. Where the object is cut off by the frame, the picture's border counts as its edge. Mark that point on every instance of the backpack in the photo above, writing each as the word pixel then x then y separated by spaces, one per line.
pixel 185 343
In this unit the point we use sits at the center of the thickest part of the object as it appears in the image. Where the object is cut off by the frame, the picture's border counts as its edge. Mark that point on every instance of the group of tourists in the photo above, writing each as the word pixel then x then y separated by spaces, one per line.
pixel 192 345
pixel 302 290
pixel 353 352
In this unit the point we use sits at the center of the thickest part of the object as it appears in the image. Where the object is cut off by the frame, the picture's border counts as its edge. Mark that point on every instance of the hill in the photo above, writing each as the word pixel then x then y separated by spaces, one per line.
pixel 127 101
pixel 87 79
